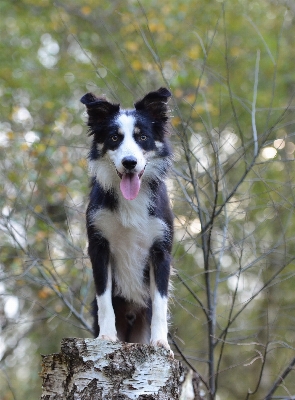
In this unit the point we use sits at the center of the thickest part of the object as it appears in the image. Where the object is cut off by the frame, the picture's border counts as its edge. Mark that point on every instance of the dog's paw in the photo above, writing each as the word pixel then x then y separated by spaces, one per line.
pixel 109 338
pixel 162 343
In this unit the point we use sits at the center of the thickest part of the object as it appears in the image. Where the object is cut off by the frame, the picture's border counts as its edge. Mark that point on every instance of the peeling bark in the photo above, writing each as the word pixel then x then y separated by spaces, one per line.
pixel 97 369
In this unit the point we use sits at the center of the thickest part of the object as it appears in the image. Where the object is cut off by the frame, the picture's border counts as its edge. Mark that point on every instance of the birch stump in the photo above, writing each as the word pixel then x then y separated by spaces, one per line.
pixel 97 369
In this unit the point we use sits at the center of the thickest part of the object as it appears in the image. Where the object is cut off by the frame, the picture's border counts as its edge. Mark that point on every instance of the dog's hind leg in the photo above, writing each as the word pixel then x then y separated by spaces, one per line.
pixel 140 331
pixel 132 322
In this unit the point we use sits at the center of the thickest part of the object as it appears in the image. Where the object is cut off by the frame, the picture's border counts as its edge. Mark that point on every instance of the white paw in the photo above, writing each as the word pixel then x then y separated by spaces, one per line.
pixel 109 338
pixel 162 343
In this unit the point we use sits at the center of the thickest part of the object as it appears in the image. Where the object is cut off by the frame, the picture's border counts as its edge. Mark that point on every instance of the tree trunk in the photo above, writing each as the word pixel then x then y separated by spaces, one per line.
pixel 98 369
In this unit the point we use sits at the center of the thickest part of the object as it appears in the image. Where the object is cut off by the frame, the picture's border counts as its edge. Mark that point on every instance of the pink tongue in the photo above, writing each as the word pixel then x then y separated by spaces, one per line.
pixel 130 185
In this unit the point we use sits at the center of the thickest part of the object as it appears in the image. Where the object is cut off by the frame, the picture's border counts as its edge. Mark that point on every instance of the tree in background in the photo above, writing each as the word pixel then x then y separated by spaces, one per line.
pixel 230 68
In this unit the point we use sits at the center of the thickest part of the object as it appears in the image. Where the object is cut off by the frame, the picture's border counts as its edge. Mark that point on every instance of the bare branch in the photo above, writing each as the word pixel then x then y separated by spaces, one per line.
pixel 280 379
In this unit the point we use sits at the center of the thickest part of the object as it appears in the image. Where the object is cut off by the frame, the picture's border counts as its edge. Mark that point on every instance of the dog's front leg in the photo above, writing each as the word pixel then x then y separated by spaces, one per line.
pixel 106 315
pixel 102 273
pixel 159 281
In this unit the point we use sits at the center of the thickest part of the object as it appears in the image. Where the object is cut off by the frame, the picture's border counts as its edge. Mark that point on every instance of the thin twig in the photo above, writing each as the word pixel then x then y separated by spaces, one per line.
pixel 280 379
pixel 253 113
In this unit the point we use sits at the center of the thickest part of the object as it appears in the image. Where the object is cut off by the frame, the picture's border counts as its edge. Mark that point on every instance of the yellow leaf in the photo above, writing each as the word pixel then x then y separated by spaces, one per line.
pixel 49 104
pixel 38 208
pixel 13 176
pixel 82 163
pixel 156 27
pixel 178 92
pixel 68 167
pixel 51 142
pixel 137 65
pixel 194 52
pixel 132 46
pixel 199 108
pixel 236 51
pixel 44 293
pixel 190 98
pixel 40 147
pixel 176 121
pixel 24 146
pixel 86 10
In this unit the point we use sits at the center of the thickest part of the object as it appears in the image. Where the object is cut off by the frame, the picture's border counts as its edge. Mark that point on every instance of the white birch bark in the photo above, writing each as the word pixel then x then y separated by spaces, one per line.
pixel 98 369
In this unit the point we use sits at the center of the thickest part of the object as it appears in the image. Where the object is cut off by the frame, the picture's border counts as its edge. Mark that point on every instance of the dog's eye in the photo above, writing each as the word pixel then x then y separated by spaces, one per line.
pixel 143 137
pixel 115 138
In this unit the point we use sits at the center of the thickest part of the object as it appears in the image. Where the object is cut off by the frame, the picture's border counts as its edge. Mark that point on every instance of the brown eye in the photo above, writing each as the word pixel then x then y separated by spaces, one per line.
pixel 143 137
pixel 114 138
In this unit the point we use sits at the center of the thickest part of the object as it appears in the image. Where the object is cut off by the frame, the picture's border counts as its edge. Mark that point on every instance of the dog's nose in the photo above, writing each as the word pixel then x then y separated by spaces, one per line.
pixel 129 162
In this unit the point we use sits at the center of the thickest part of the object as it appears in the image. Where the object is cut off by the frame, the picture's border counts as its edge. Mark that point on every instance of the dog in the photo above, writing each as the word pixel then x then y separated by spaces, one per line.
pixel 129 219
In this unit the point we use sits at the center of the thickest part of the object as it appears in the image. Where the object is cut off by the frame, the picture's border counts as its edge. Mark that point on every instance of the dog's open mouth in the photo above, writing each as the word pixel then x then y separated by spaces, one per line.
pixel 130 184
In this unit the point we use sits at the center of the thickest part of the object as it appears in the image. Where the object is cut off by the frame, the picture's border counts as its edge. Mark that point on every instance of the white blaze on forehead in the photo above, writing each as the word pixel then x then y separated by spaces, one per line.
pixel 129 147
pixel 126 125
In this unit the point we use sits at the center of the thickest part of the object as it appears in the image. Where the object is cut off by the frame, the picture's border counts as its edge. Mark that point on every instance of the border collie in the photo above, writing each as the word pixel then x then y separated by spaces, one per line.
pixel 129 220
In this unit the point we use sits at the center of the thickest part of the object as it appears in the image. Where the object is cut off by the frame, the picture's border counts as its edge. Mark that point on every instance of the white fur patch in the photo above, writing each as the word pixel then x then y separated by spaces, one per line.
pixel 156 166
pixel 104 171
pixel 126 124
pixel 106 315
pixel 159 145
pixel 159 327
pixel 130 232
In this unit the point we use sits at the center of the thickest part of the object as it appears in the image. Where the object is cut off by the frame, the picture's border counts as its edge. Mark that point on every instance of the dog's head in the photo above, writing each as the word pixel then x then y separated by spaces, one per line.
pixel 133 140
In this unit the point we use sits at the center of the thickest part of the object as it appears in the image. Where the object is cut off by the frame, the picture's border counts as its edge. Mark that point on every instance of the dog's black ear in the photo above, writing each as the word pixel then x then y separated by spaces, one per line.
pixel 98 108
pixel 155 103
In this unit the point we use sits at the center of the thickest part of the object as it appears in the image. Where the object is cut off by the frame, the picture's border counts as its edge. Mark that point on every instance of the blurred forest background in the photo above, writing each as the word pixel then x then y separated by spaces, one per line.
pixel 231 68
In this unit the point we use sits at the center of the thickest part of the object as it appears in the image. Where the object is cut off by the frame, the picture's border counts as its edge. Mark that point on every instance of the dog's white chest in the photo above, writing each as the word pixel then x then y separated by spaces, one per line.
pixel 130 232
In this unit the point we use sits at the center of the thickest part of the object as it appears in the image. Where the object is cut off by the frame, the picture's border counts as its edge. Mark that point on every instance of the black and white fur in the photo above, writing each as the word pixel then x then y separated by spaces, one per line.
pixel 130 240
